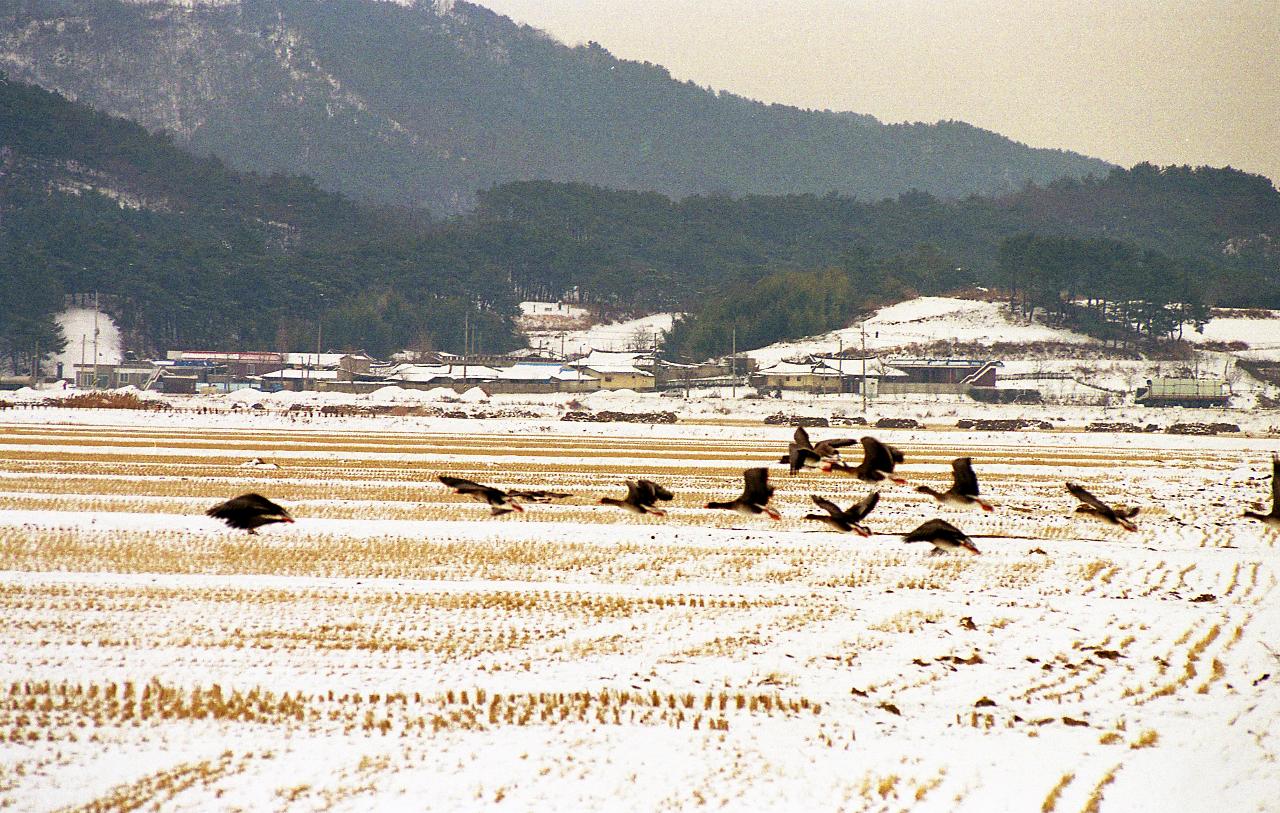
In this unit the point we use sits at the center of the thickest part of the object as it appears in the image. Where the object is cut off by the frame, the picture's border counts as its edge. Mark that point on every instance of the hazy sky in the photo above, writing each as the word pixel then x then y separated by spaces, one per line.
pixel 1123 80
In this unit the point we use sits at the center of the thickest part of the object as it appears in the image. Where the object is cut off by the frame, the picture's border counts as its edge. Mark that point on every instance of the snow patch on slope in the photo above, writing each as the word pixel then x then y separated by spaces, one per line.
pixel 626 335
pixel 78 328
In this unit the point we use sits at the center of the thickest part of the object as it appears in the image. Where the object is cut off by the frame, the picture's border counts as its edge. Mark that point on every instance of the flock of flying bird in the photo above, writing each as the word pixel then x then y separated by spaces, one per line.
pixel 252 511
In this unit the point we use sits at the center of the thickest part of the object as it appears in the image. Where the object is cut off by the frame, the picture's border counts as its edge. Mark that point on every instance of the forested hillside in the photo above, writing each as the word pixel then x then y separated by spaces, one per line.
pixel 573 235
pixel 424 104
pixel 190 253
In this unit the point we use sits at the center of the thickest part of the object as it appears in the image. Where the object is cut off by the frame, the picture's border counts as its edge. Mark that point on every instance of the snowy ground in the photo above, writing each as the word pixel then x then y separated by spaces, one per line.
pixel 1262 335
pixel 921 321
pixel 78 329
pixel 553 326
pixel 398 649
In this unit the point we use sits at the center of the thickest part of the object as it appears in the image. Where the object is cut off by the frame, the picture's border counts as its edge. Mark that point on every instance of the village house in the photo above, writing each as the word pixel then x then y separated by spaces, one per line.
pixel 825 374
pixel 113 376
pixel 809 375
pixel 629 370
pixel 429 376
pixel 542 377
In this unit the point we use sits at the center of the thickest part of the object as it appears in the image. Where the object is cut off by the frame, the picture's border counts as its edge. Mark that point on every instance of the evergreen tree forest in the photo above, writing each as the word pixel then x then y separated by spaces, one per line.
pixel 188 253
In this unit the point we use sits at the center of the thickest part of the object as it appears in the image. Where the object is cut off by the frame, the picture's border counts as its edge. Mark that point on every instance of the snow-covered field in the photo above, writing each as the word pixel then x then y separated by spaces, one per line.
pixel 397 648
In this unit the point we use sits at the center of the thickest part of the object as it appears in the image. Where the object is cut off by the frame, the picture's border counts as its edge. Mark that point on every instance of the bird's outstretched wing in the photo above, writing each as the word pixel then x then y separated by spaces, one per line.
pixel 801 438
pixel 935 528
pixel 828 447
pixel 245 503
pixel 640 492
pixel 538 495
pixel 859 510
pixel 655 491
pixel 894 453
pixel 879 456
pixel 966 482
pixel 462 485
pixel 1083 495
pixel 826 505
pixel 756 490
pixel 798 455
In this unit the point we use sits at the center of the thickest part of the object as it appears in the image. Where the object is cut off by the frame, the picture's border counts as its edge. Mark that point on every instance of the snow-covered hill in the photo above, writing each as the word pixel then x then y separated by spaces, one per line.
pixel 1066 367
pixel 922 321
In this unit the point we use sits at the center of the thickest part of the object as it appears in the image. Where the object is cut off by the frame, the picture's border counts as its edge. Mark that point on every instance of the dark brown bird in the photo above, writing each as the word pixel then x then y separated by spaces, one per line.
pixel 1272 519
pixel 500 502
pixel 1093 507
pixel 878 462
pixel 848 520
pixel 755 497
pixel 964 486
pixel 943 536
pixel 801 452
pixel 642 498
pixel 249 512
pixel 537 495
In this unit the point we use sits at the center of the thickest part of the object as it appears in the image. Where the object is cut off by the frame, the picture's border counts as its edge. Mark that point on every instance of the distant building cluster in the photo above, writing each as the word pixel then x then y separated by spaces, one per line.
pixel 195 371
pixel 533 371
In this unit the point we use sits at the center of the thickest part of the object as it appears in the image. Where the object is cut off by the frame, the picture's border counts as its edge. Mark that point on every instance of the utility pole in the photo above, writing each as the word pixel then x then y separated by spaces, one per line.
pixel 733 361
pixel 840 362
pixel 95 340
pixel 35 366
pixel 863 328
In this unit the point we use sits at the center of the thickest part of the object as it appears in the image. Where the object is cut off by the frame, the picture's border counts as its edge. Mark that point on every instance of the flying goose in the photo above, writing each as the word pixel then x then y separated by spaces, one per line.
pixel 846 520
pixel 943 536
pixel 1273 518
pixel 755 495
pixel 964 486
pixel 249 512
pixel 877 463
pixel 499 501
pixel 1093 507
pixel 801 452
pixel 642 497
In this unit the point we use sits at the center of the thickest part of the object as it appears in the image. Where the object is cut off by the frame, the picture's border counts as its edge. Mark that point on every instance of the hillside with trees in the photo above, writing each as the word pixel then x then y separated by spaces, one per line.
pixel 1195 236
pixel 189 253
pixel 422 104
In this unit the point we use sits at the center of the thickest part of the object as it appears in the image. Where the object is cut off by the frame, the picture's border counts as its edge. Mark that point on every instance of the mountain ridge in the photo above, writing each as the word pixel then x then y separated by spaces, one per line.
pixel 427 103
